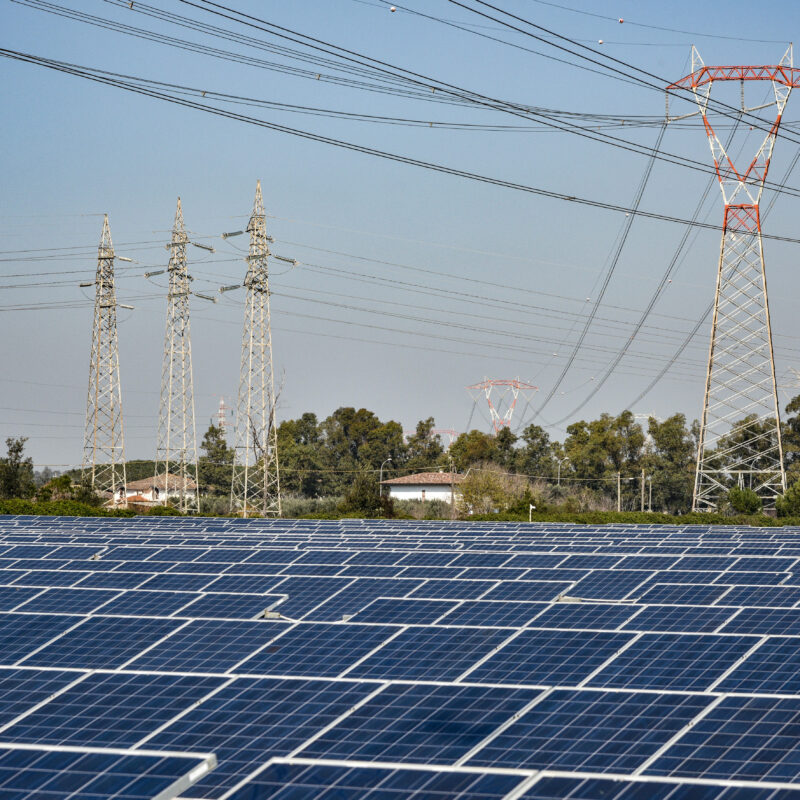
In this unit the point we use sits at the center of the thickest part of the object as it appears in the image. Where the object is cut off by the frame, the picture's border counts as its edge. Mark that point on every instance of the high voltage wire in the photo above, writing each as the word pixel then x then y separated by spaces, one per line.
pixel 99 77
pixel 398 73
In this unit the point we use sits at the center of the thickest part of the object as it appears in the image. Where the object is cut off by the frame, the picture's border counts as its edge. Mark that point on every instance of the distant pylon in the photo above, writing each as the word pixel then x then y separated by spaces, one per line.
pixel 222 416
pixel 502 405
pixel 176 448
pixel 740 379
pixel 256 484
pixel 104 438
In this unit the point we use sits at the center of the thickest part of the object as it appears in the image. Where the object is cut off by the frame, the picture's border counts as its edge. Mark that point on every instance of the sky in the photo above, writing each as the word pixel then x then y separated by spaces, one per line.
pixel 410 284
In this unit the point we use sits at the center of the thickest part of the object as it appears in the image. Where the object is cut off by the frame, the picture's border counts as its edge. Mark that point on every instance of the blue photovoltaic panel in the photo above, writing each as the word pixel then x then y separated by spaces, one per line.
pixel 316 649
pixel 591 730
pixel 705 563
pixel 432 572
pixel 21 689
pixel 765 621
pixel 590 562
pixel 528 590
pixel 57 775
pixel 549 657
pixel 647 562
pixel 493 613
pixel 493 573
pixel 231 606
pixel 178 582
pixel 612 584
pixel 430 654
pixel 546 574
pixel 135 602
pixel 46 577
pixel 12 596
pixel 586 615
pixel 426 559
pixel 323 782
pixel 754 578
pixel 20 634
pixel 754 564
pixel 364 571
pixel 480 560
pixel 172 554
pixel 544 560
pixel 360 593
pixel 306 593
pixel 743 738
pixel 110 710
pixel 252 720
pixel 404 612
pixel 547 788
pixel 773 668
pixel 112 580
pixel 777 596
pixel 682 594
pixel 244 584
pixel 263 556
pixel 103 642
pixel 686 619
pixel 690 662
pixel 70 601
pixel 457 590
pixel 418 724
pixel 212 645
pixel 341 556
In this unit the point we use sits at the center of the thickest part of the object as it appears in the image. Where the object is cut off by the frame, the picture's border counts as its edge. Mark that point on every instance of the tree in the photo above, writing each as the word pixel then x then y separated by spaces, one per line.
pixel 537 457
pixel 471 448
pixel 488 487
pixel 300 458
pixel 504 442
pixel 790 431
pixel 424 450
pixel 789 504
pixel 16 471
pixel 745 501
pixel 215 466
pixel 600 449
pixel 363 496
pixel 670 462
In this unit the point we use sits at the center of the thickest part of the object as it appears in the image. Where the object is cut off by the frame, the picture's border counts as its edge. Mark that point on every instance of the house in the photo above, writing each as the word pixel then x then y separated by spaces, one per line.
pixel 424 486
pixel 158 490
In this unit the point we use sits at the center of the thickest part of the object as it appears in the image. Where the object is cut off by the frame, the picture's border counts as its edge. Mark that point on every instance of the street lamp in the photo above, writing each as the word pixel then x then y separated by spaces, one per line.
pixel 560 462
pixel 380 479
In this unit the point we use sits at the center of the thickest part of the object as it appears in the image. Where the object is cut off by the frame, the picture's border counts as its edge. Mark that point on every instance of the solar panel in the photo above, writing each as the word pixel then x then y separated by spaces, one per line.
pixel 503 660
pixel 590 730
pixel 316 649
pixel 90 775
pixel 418 724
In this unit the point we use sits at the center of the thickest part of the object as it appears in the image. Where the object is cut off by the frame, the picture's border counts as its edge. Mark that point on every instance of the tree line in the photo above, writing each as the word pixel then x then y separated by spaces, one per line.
pixel 599 463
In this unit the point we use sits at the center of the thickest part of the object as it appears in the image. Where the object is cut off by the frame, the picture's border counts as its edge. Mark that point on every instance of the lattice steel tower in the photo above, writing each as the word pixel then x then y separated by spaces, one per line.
pixel 104 439
pixel 176 449
pixel 740 436
pixel 256 483
pixel 506 392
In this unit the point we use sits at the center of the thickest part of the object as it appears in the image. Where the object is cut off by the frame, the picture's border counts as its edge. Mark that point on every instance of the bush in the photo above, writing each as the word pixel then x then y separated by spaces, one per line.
pixel 789 504
pixel 745 501
pixel 363 497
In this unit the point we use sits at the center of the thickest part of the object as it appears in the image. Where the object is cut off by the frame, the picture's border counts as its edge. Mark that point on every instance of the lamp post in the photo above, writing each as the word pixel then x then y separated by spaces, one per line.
pixel 560 462
pixel 380 479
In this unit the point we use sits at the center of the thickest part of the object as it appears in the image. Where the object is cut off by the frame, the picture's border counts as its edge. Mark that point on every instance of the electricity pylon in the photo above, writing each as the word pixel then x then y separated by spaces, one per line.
pixel 104 439
pixel 256 483
pixel 740 434
pixel 176 448
pixel 506 392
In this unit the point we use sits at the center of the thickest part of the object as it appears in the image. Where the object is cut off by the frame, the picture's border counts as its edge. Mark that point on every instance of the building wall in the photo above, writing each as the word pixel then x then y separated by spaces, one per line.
pixel 410 491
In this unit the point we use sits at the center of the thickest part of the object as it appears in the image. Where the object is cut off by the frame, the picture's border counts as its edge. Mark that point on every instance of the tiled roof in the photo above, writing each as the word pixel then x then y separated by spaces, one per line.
pixel 146 484
pixel 427 479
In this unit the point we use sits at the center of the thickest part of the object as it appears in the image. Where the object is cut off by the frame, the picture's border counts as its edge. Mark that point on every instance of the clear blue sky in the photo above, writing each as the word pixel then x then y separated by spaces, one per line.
pixel 524 265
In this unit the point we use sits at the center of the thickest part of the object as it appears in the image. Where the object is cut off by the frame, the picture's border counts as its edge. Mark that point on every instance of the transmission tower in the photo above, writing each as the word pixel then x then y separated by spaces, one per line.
pixel 740 435
pixel 256 484
pixel 104 439
pixel 501 395
pixel 176 449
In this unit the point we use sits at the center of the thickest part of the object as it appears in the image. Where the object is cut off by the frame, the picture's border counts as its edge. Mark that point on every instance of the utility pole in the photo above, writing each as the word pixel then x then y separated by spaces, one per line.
pixel 104 438
pixel 256 483
pixel 619 491
pixel 176 448
pixel 740 377
pixel 650 499
pixel 642 490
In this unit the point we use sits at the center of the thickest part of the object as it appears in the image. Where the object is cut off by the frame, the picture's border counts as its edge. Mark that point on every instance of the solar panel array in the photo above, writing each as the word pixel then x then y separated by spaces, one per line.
pixel 291 660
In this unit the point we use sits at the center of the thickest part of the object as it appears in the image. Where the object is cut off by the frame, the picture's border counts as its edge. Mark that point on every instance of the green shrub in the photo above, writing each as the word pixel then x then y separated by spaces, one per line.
pixel 789 504
pixel 745 501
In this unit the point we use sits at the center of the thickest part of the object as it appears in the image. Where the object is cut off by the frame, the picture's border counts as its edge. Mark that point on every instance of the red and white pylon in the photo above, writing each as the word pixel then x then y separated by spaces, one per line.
pixel 501 394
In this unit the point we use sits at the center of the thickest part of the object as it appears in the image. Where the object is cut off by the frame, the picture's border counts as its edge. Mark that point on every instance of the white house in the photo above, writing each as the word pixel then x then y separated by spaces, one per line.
pixel 157 490
pixel 425 486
